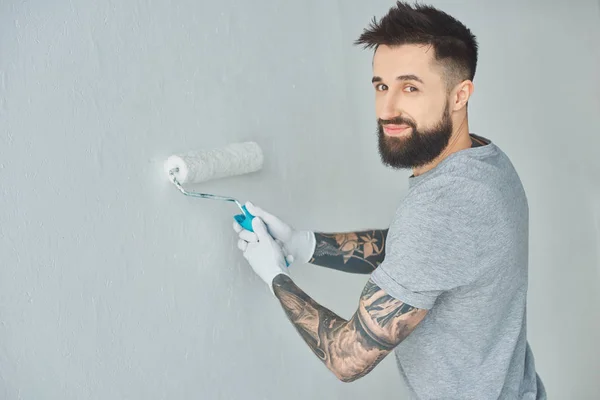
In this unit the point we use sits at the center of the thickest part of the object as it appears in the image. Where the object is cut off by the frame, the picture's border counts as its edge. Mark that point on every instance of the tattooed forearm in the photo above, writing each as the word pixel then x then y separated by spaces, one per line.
pixel 355 252
pixel 349 348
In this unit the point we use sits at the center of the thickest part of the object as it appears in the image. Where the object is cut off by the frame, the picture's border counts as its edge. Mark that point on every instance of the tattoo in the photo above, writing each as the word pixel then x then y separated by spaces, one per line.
pixel 384 309
pixel 356 252
pixel 349 348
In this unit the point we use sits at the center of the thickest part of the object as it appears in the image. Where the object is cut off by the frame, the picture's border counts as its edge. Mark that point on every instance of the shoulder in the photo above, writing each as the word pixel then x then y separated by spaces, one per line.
pixel 450 195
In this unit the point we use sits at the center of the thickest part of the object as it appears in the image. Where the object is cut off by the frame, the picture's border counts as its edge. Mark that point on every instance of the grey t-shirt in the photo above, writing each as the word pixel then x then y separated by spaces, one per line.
pixel 458 246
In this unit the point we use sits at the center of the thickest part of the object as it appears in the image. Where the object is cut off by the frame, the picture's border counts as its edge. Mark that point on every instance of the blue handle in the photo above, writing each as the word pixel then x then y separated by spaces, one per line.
pixel 245 220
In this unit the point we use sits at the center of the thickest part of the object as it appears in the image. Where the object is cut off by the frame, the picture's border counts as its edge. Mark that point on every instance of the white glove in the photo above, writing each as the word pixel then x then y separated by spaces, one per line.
pixel 298 246
pixel 265 255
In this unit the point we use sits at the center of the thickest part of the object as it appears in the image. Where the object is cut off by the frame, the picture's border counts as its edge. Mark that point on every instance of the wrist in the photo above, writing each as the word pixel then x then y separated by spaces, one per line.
pixel 302 246
pixel 278 279
pixel 312 245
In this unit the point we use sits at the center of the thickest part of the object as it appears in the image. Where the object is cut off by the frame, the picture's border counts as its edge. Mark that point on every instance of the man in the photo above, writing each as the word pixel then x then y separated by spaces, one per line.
pixel 448 283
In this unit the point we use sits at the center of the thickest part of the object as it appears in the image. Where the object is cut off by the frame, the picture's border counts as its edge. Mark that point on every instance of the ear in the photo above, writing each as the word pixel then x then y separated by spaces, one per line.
pixel 461 95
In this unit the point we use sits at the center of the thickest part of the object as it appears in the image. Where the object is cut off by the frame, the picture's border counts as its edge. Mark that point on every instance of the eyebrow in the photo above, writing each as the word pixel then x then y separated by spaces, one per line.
pixel 400 78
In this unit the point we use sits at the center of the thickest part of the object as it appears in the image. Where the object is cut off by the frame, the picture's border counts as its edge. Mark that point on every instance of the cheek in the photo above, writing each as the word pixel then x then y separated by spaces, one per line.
pixel 424 110
pixel 428 112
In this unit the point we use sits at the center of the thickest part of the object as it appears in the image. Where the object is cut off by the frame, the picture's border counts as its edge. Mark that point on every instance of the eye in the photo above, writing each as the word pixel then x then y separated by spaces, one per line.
pixel 410 89
pixel 381 87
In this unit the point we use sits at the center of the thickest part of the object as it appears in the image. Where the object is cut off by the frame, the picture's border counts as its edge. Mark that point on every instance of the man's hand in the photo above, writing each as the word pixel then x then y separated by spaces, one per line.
pixel 298 246
pixel 264 254
pixel 358 252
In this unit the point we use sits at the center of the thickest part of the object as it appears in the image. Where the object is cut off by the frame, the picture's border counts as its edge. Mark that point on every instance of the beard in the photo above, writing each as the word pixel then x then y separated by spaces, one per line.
pixel 419 148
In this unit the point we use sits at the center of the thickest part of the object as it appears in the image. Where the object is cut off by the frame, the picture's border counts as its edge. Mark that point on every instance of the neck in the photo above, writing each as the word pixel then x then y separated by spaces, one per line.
pixel 459 140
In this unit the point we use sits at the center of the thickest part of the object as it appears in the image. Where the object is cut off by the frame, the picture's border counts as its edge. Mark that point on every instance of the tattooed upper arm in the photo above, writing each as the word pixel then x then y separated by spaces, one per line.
pixel 380 324
pixel 384 319
pixel 350 349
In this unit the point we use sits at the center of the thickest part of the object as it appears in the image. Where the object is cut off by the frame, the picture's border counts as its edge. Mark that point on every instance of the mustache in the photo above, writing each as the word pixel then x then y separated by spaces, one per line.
pixel 397 121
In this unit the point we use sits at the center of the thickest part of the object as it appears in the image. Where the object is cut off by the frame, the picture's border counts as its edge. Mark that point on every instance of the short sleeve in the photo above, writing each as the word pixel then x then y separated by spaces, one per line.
pixel 432 244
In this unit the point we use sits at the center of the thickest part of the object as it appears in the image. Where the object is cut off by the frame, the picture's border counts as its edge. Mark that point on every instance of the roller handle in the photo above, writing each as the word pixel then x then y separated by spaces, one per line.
pixel 245 220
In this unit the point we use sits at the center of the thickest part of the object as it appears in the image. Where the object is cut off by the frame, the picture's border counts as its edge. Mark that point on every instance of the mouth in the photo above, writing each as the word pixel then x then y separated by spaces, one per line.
pixel 395 130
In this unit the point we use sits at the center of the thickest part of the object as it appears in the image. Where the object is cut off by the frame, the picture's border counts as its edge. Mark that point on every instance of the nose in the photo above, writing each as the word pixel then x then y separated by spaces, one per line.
pixel 389 106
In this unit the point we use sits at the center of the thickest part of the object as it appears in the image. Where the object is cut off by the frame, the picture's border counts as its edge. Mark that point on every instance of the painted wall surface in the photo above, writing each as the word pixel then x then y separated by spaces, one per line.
pixel 115 286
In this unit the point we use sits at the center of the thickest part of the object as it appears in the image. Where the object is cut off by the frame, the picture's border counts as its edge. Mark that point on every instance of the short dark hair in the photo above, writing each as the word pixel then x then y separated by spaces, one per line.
pixel 454 44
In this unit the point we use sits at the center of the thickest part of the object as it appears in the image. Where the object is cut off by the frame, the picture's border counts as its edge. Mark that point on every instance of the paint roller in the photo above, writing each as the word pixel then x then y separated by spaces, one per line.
pixel 216 163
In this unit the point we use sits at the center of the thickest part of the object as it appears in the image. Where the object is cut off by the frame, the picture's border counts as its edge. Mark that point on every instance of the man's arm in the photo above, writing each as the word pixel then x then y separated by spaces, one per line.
pixel 350 349
pixel 355 252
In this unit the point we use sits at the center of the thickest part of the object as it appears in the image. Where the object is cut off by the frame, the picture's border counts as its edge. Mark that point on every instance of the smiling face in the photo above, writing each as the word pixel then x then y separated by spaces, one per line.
pixel 413 105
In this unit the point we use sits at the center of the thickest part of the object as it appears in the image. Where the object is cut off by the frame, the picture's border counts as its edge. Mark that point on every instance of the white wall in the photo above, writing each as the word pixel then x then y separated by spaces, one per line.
pixel 115 286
